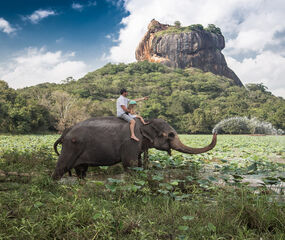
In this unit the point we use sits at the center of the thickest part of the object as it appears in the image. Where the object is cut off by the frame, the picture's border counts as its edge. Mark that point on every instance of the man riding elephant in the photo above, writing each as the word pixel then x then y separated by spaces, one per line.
pixel 123 111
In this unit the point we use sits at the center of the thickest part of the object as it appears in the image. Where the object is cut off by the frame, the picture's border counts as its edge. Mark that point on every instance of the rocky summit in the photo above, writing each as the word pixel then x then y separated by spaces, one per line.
pixel 184 48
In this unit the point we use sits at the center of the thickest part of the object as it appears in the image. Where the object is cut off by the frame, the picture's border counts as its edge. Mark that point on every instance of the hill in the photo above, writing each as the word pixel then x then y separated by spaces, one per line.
pixel 191 100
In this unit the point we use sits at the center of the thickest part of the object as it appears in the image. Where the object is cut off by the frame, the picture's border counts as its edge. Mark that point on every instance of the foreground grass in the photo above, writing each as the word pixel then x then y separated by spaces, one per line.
pixel 45 210
pixel 169 201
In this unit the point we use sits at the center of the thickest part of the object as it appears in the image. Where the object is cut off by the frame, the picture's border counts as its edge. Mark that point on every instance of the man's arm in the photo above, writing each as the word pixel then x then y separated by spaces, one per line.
pixel 125 109
pixel 141 99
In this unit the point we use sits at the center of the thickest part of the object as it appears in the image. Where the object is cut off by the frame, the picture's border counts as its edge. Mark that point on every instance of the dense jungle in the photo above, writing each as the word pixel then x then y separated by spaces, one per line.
pixel 191 100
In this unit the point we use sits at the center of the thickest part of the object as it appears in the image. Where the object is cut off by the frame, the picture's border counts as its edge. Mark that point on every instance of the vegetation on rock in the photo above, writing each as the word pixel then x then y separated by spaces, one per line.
pixel 177 24
pixel 176 29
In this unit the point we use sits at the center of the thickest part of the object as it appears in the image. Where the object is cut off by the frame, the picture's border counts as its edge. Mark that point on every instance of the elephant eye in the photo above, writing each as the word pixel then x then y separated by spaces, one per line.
pixel 171 135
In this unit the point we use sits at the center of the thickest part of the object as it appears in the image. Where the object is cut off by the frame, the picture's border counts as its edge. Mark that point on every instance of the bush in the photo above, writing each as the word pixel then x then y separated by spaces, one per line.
pixel 196 27
pixel 177 24
pixel 243 125
pixel 213 29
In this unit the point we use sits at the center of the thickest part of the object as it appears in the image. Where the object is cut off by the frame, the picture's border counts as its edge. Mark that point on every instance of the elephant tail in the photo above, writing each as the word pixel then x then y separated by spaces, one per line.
pixel 56 143
pixel 60 140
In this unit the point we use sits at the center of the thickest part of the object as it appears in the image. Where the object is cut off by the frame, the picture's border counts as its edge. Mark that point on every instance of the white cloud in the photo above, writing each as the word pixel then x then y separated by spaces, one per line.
pixel 36 66
pixel 187 12
pixel 77 6
pixel 38 15
pixel 92 3
pixel 248 27
pixel 59 40
pixel 6 27
pixel 258 28
pixel 267 68
pixel 116 3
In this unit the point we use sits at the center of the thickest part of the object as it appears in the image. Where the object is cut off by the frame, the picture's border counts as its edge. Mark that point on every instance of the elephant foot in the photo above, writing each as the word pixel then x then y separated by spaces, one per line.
pixel 81 171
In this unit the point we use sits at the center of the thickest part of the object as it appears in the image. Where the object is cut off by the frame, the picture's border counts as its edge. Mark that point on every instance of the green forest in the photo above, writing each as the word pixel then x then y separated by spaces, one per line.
pixel 191 100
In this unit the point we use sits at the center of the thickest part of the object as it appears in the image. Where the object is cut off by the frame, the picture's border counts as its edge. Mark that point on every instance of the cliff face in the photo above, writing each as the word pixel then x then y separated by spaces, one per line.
pixel 196 48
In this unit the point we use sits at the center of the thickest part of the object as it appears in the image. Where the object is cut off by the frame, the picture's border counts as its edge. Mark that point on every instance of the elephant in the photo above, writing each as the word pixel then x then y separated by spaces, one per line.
pixel 105 141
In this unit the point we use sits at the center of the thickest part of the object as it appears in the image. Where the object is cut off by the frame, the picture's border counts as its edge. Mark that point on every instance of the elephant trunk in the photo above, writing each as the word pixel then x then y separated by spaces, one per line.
pixel 177 145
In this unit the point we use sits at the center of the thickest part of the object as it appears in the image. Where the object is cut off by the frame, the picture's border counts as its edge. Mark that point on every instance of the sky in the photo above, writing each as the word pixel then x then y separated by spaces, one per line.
pixel 50 40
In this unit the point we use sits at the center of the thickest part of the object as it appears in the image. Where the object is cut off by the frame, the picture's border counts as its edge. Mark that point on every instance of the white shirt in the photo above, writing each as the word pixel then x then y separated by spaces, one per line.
pixel 121 101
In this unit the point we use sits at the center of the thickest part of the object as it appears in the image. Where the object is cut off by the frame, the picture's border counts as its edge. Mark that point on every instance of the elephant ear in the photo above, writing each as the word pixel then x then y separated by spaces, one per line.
pixel 157 129
pixel 148 132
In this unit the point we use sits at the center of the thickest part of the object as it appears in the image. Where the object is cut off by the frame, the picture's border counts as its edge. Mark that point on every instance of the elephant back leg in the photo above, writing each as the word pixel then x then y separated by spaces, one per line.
pixel 66 160
pixel 81 170
pixel 129 154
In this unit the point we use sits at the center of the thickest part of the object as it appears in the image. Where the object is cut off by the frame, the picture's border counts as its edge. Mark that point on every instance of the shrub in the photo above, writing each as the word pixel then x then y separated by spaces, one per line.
pixel 213 29
pixel 196 27
pixel 177 24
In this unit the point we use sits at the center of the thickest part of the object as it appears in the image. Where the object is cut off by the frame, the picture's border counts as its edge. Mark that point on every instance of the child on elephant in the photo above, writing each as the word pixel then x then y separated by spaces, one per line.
pixel 123 111
pixel 132 113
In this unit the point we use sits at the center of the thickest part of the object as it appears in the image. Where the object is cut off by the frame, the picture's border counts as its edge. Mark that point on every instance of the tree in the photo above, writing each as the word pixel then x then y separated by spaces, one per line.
pixel 256 87
pixel 177 24
pixel 68 80
pixel 196 27
pixel 66 109
pixel 212 28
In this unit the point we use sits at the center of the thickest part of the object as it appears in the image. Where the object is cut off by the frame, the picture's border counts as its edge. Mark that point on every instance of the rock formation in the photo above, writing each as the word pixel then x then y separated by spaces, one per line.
pixel 193 48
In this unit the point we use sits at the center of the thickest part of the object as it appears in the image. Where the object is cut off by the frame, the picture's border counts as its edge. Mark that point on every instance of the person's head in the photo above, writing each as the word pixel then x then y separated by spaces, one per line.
pixel 132 105
pixel 124 92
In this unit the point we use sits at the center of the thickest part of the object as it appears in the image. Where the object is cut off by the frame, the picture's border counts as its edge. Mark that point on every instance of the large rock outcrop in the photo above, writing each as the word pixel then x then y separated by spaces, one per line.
pixel 196 48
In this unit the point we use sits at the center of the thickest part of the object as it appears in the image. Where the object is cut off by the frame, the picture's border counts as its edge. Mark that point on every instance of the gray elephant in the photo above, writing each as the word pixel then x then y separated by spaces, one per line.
pixel 104 141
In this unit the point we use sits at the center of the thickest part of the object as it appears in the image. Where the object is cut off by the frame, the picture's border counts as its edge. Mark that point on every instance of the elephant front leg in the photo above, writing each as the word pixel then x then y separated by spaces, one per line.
pixel 129 154
pixel 139 160
pixel 145 159
pixel 129 161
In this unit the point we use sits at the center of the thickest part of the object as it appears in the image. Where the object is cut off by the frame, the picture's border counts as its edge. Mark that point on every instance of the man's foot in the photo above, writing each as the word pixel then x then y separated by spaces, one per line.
pixel 135 138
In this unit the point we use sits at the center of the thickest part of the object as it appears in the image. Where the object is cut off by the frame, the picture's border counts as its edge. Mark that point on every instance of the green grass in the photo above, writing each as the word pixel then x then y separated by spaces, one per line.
pixel 194 27
pixel 173 30
pixel 177 198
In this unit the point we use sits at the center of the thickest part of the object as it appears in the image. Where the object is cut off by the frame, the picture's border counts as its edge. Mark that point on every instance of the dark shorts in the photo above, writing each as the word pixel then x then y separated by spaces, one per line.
pixel 126 117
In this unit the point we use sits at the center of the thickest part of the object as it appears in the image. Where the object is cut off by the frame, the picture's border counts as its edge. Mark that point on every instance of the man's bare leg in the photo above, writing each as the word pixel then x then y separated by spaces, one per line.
pixel 132 128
